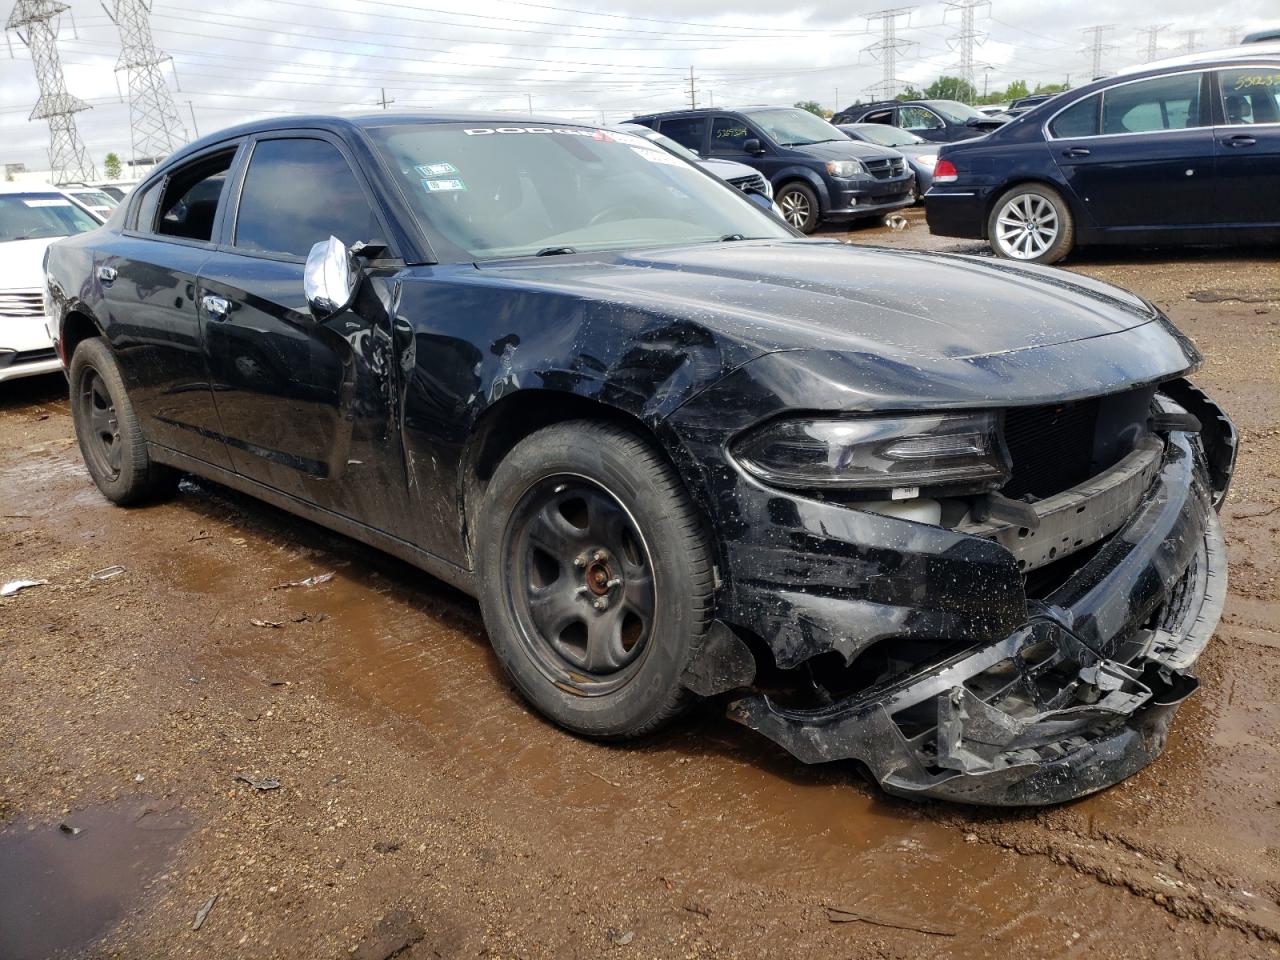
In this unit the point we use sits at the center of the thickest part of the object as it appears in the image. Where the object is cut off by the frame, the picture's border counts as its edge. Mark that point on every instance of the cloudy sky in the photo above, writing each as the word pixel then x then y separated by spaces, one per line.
pixel 265 57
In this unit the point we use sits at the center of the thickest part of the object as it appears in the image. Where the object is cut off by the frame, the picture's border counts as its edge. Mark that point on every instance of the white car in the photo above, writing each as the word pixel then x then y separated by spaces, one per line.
pixel 31 217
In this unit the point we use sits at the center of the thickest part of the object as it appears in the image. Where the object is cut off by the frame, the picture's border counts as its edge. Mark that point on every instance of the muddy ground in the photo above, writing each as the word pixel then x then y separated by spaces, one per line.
pixel 423 811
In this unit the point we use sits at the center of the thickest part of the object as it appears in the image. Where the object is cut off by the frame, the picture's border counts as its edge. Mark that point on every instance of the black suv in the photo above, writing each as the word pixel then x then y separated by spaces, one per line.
pixel 942 121
pixel 818 173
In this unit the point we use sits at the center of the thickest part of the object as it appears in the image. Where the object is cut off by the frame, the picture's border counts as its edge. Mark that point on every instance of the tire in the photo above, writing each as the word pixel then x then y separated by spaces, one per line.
pixel 595 578
pixel 111 441
pixel 1031 223
pixel 799 206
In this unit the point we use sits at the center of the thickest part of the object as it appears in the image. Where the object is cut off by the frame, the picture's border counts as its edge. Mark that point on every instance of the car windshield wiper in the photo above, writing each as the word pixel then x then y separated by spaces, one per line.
pixel 554 251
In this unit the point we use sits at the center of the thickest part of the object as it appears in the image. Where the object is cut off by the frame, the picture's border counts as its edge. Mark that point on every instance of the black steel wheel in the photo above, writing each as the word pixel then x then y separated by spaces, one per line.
pixel 111 441
pixel 594 578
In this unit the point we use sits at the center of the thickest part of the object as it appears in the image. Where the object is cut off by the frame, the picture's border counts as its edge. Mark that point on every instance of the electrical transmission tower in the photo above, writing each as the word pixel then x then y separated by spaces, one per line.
pixel 36 23
pixel 967 38
pixel 1191 40
pixel 1098 47
pixel 1151 40
pixel 886 50
pixel 155 127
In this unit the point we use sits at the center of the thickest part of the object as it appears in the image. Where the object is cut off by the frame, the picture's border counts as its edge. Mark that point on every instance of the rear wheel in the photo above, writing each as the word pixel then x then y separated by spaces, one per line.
pixel 1031 223
pixel 111 441
pixel 595 578
pixel 799 206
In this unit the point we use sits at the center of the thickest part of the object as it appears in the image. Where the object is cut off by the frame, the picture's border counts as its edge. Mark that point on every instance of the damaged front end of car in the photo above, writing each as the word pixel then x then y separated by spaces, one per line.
pixel 1016 639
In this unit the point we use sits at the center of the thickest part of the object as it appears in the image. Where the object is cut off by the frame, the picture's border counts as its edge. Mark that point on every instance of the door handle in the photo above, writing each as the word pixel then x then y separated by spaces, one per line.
pixel 215 306
pixel 1076 152
pixel 1240 140
pixel 106 274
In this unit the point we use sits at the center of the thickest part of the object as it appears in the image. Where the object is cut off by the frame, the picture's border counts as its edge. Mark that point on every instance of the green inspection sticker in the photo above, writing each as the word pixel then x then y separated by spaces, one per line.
pixel 441 186
pixel 435 169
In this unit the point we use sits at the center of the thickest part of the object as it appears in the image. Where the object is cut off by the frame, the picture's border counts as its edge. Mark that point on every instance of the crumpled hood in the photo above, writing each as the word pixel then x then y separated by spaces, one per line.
pixel 827 295
pixel 22 263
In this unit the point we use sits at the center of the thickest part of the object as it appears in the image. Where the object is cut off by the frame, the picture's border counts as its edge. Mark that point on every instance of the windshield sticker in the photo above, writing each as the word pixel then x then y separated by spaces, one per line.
pixel 47 202
pixel 658 156
pixel 601 136
pixel 441 186
pixel 435 169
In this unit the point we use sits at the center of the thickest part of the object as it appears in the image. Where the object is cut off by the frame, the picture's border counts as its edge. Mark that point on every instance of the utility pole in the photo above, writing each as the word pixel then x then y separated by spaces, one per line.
pixel 36 23
pixel 1097 47
pixel 967 38
pixel 155 126
pixel 1152 35
pixel 886 49
pixel 382 100
pixel 986 81
pixel 194 127
pixel 1191 40
pixel 530 98
pixel 693 91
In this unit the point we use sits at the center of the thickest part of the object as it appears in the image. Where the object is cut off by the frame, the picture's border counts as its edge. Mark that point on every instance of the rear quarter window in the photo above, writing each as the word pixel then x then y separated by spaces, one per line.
pixel 1078 120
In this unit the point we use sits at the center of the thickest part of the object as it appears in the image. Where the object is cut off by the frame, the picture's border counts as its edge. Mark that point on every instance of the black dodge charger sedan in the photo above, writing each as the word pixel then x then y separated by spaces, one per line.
pixel 952 519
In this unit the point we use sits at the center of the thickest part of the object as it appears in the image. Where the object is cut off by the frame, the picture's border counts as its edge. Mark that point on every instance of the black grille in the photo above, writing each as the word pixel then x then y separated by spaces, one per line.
pixel 1051 448
pixel 886 169
pixel 754 183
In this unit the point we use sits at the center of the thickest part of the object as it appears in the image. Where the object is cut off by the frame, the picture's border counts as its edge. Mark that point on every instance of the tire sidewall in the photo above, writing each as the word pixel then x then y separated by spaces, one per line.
pixel 678 626
pixel 1061 245
pixel 93 355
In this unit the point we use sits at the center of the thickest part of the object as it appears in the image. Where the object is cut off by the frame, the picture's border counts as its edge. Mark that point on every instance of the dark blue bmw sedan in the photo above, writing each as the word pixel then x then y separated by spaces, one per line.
pixel 1182 151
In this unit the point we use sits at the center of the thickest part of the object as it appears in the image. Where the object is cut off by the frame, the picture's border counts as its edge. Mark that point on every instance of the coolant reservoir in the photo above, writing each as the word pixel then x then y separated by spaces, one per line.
pixel 918 509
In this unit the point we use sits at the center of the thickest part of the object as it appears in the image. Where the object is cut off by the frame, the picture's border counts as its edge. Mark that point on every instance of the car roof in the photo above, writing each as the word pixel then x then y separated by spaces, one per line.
pixel 705 111
pixel 1207 58
pixel 19 187
pixel 1258 36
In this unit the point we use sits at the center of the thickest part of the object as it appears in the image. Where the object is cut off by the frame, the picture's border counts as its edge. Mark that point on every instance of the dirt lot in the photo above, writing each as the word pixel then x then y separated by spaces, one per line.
pixel 423 811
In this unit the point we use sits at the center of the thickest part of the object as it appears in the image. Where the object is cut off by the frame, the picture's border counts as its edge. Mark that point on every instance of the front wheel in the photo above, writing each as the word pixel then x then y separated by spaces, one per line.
pixel 1031 223
pixel 595 578
pixel 799 206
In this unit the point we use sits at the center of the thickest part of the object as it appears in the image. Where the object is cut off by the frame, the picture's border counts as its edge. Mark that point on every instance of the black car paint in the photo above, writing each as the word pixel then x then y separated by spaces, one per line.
pixel 401 401
pixel 839 199
pixel 1177 186
pixel 887 112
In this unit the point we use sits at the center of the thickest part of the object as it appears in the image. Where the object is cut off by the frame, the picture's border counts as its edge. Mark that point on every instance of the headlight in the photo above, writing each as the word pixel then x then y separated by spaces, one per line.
pixel 845 168
pixel 927 160
pixel 877 454
pixel 768 189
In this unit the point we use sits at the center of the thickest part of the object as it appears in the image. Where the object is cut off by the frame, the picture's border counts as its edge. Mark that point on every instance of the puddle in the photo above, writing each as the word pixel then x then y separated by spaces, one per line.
pixel 61 891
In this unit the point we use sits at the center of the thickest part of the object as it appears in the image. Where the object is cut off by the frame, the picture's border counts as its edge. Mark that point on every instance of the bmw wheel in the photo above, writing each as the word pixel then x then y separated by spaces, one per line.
pixel 1031 223
pixel 595 578
pixel 799 206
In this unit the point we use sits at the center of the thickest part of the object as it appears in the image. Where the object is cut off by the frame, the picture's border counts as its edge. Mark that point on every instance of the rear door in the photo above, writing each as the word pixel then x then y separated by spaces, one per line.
pixel 689 132
pixel 149 276
pixel 307 407
pixel 1139 154
pixel 1247 145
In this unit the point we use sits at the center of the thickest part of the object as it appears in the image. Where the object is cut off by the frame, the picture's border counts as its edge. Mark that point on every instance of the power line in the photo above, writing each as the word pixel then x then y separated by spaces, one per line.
pixel 68 156
pixel 155 128
pixel 886 49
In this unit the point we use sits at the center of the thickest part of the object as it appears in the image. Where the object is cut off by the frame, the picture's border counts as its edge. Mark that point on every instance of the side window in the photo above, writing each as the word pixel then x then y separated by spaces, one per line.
pixel 298 192
pixel 879 116
pixel 728 135
pixel 689 132
pixel 1161 103
pixel 147 205
pixel 1250 95
pixel 1078 120
pixel 918 118
pixel 189 203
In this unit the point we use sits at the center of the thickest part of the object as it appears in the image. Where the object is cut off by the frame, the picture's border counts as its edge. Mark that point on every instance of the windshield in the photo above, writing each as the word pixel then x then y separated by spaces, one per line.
pixel 954 110
pixel 28 216
pixel 94 198
pixel 506 191
pixel 792 127
pixel 887 136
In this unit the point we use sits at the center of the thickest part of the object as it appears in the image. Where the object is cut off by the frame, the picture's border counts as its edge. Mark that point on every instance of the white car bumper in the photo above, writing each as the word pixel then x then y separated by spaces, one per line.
pixel 26 348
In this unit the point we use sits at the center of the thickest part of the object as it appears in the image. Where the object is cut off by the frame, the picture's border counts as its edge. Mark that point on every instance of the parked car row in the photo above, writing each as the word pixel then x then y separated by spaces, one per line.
pixel 1185 150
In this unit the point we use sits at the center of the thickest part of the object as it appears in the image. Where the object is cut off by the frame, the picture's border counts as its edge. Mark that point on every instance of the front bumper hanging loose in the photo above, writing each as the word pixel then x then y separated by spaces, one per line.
pixel 1077 698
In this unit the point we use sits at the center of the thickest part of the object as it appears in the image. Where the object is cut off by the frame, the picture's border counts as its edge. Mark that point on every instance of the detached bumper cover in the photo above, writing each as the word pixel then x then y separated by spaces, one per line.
pixel 1076 698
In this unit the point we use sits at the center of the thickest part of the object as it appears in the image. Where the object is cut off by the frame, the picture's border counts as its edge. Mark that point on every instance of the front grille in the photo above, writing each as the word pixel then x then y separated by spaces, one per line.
pixel 886 169
pixel 1051 448
pixel 753 183
pixel 21 304
pixel 18 358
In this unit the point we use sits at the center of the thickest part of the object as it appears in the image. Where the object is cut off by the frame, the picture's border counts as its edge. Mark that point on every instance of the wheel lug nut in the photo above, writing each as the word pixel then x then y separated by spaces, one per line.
pixel 599 556
pixel 580 560
pixel 600 603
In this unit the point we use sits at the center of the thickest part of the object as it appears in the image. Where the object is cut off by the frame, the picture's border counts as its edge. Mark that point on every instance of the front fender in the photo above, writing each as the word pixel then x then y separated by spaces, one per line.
pixel 814 180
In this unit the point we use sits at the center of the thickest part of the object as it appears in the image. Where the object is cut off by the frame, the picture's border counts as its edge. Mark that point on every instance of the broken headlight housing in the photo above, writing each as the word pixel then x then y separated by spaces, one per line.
pixel 881 453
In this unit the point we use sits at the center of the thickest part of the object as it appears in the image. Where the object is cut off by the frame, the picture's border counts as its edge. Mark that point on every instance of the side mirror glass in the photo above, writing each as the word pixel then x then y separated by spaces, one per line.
pixel 330 278
pixel 752 146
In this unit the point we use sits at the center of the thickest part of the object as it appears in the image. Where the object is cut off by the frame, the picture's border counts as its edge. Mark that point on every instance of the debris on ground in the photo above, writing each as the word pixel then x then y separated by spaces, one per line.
pixel 13 586
pixel 270 783
pixel 269 624
pixel 106 573
pixel 305 617
pixel 203 913
pixel 841 915
pixel 68 828
pixel 391 936
pixel 896 221
pixel 315 581
pixel 619 939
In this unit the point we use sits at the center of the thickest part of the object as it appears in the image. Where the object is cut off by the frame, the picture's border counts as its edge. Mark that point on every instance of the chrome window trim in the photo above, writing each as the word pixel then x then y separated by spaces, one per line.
pixel 1044 127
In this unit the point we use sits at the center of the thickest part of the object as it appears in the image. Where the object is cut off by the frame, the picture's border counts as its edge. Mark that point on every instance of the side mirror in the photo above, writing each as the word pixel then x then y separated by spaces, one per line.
pixel 330 278
pixel 752 146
